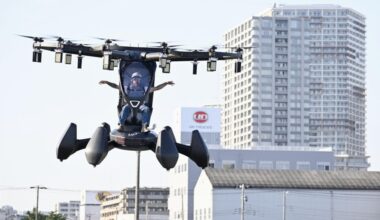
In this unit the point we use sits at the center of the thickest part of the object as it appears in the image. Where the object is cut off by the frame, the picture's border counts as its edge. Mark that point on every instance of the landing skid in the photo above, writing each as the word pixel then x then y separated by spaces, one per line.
pixel 103 140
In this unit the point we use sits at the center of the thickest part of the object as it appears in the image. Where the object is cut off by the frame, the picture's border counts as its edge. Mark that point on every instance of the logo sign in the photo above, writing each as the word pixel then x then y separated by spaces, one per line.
pixel 200 117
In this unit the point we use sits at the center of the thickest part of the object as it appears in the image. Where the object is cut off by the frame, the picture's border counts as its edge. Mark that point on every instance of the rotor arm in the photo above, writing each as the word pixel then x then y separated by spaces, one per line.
pixel 112 54
pixel 189 56
pixel 72 49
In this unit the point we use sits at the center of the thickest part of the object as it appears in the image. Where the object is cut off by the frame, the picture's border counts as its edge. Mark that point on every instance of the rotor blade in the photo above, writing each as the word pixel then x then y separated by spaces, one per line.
pixel 246 48
pixel 39 39
pixel 159 42
pixel 104 39
pixel 55 36
pixel 60 38
pixel 219 46
pixel 175 45
pixel 26 36
pixel 189 50
pixel 163 43
pixel 213 47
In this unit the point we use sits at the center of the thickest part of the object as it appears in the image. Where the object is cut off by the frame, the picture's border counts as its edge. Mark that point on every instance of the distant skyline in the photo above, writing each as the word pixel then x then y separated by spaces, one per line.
pixel 40 100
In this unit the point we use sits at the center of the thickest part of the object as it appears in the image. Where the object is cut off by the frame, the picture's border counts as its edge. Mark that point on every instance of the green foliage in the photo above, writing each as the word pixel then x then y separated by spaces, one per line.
pixel 55 216
pixel 31 215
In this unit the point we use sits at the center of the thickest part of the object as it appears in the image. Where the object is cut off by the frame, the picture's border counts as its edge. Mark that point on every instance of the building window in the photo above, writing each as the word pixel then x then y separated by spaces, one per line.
pixel 266 165
pixel 303 165
pixel 323 166
pixel 211 164
pixel 228 164
pixel 249 164
pixel 282 165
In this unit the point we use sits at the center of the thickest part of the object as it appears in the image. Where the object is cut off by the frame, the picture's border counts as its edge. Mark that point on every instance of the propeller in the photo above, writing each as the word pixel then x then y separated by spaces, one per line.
pixel 60 39
pixel 107 43
pixel 164 44
pixel 108 40
pixel 192 50
pixel 243 48
pixel 36 39
pixel 213 48
pixel 163 60
pixel 37 53
pixel 218 46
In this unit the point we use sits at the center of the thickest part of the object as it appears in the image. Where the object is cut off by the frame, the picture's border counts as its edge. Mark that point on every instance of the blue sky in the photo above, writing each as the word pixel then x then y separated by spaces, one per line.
pixel 38 101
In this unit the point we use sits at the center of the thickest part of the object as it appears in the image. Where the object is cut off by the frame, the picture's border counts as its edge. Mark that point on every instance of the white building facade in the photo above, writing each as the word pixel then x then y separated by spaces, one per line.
pixel 204 119
pixel 9 213
pixel 70 210
pixel 121 206
pixel 184 176
pixel 296 195
pixel 90 205
pixel 302 84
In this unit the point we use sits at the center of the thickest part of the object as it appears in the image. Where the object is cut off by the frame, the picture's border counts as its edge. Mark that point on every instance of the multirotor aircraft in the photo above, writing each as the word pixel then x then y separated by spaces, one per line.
pixel 133 62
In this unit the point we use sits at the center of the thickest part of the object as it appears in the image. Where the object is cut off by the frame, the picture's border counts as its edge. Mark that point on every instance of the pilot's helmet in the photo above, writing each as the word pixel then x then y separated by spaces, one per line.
pixel 136 75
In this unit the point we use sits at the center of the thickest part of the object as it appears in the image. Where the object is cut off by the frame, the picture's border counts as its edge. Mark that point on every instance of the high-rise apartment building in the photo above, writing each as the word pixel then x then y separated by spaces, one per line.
pixel 303 83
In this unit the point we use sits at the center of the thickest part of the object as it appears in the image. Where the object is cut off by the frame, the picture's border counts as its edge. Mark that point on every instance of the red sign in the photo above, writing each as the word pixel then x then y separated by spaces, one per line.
pixel 200 117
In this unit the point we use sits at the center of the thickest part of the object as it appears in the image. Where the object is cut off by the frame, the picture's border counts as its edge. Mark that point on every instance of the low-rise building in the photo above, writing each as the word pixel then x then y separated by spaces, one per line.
pixel 286 194
pixel 90 204
pixel 9 213
pixel 344 161
pixel 121 206
pixel 70 210
pixel 185 174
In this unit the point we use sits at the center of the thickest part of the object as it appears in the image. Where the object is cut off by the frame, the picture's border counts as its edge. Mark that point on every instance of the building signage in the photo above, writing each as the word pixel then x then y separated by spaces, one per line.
pixel 203 119
pixel 200 117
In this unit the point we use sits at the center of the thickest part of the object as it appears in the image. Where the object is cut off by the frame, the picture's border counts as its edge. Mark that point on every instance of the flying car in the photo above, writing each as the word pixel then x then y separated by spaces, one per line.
pixel 141 61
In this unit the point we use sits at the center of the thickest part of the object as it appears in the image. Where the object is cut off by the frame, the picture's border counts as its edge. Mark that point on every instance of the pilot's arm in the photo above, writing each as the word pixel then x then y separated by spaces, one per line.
pixel 162 85
pixel 111 84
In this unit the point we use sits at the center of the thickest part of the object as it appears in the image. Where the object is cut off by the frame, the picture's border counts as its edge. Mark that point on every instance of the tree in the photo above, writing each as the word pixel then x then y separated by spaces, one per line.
pixel 31 215
pixel 55 216
pixel 52 216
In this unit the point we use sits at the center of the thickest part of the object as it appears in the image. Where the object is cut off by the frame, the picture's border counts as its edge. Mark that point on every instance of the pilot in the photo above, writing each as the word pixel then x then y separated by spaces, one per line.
pixel 136 89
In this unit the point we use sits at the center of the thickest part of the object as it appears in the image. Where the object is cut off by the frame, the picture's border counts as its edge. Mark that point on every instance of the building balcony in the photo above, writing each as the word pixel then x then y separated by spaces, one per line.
pixel 281 92
pixel 281 27
pixel 278 59
pixel 281 98
pixel 281 35
pixel 283 44
pixel 281 108
pixel 281 83
pixel 280 132
pixel 281 51
pixel 281 116
pixel 281 76
pixel 281 67
pixel 280 123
